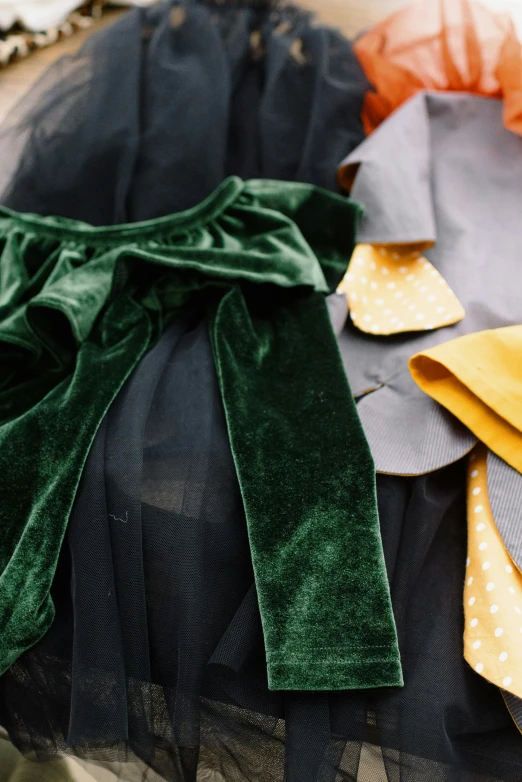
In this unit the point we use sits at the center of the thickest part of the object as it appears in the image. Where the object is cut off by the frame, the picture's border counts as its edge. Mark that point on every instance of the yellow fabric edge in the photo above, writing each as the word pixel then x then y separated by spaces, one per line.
pixel 483 598
pixel 452 393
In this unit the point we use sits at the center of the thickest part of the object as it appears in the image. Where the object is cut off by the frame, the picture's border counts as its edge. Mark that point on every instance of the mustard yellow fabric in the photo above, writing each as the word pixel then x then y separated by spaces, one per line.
pixel 478 378
pixel 492 591
pixel 394 288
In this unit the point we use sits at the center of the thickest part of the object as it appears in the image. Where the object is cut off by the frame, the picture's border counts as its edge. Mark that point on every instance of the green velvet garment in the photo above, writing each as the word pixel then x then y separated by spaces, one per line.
pixel 79 307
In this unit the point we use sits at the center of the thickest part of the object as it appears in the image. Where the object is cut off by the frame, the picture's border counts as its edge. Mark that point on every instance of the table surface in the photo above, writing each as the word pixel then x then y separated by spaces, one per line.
pixel 351 16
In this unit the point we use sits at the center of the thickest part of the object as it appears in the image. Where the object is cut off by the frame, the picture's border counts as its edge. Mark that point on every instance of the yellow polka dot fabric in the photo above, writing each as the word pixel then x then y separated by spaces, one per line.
pixel 492 590
pixel 393 288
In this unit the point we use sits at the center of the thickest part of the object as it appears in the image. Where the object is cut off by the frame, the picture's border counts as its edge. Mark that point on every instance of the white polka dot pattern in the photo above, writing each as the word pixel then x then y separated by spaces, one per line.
pixel 410 295
pixel 492 591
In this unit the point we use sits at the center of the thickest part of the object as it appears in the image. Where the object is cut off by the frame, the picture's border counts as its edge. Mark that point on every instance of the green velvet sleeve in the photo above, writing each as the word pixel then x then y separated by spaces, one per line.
pixel 79 307
pixel 308 485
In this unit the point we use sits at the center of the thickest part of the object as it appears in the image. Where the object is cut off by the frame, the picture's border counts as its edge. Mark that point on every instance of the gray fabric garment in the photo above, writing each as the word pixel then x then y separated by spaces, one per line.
pixel 442 168
pixel 338 311
pixel 505 500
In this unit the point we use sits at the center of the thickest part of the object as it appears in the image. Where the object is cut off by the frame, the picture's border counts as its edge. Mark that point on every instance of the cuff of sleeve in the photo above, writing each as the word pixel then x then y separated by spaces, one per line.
pixel 359 670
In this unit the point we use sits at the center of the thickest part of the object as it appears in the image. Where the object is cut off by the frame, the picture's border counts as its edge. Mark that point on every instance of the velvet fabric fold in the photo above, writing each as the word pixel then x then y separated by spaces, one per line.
pixel 81 305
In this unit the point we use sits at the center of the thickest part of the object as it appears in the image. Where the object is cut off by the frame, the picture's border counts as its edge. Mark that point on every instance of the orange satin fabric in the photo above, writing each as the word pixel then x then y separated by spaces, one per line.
pixel 448 45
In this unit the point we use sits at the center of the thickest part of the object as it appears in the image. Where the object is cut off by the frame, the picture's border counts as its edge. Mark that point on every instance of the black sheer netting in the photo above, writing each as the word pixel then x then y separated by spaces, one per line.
pixel 154 666
pixel 155 659
pixel 156 110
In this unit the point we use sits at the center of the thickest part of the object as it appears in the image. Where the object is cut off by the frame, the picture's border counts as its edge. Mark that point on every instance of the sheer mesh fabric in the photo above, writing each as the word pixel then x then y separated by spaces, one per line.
pixel 154 665
pixel 157 109
pixel 155 659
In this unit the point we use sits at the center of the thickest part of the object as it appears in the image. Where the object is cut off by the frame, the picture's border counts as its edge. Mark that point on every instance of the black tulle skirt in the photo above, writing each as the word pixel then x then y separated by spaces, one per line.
pixel 156 110
pixel 155 657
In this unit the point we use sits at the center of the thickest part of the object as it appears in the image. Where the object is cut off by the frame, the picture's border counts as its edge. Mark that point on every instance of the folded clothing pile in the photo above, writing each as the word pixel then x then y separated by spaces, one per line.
pixel 260 439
